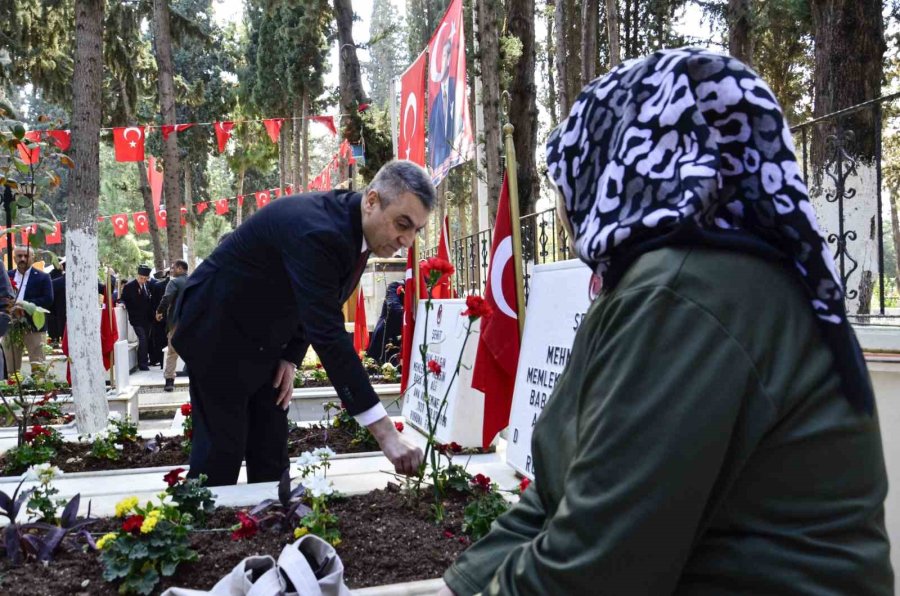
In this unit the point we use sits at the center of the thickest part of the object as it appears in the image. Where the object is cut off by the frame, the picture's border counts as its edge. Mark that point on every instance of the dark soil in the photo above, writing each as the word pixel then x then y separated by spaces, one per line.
pixel 76 457
pixel 383 540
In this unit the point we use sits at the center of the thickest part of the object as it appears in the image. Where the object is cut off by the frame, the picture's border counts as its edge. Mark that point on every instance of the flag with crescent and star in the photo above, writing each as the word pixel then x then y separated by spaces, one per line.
pixel 409 317
pixel 129 143
pixel 30 152
pixel 141 222
pixel 119 224
pixel 223 133
pixel 450 138
pixel 411 138
pixel 221 206
pixel 262 198
pixel 498 344
pixel 56 236
pixel 360 327
pixel 161 218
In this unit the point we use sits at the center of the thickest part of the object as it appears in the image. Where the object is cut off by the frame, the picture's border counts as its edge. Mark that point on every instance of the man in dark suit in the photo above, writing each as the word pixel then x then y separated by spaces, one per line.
pixel 158 337
pixel 56 320
pixel 274 287
pixel 384 343
pixel 137 300
pixel 29 285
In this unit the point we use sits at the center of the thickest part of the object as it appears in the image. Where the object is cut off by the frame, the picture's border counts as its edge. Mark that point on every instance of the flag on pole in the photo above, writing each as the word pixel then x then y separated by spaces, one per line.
pixel 273 128
pixel 411 141
pixel 223 133
pixel 129 143
pixel 498 344
pixel 360 328
pixel 443 289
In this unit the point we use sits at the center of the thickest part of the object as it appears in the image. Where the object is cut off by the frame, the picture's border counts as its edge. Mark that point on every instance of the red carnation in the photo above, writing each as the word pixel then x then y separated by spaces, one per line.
pixel 481 482
pixel 173 477
pixel 526 482
pixel 42 413
pixel 133 524
pixel 435 270
pixel 455 447
pixel 10 382
pixel 399 426
pixel 477 307
pixel 247 528
pixel 434 367
pixel 449 534
pixel 28 436
pixel 185 409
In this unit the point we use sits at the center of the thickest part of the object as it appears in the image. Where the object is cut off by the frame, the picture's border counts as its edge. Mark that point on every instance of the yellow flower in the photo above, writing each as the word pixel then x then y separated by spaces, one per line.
pixel 105 539
pixel 149 523
pixel 300 532
pixel 125 506
pixel 335 542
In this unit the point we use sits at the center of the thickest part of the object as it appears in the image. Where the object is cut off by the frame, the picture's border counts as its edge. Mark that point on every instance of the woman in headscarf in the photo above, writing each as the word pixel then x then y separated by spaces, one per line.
pixel 715 429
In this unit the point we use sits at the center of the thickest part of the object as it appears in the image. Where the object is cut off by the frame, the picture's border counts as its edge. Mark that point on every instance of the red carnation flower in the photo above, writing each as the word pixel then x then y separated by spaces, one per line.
pixel 526 482
pixel 477 307
pixel 42 413
pixel 246 529
pixel 133 523
pixel 185 409
pixel 434 367
pixel 15 286
pixel 435 270
pixel 28 436
pixel 399 426
pixel 10 382
pixel 449 534
pixel 455 447
pixel 173 477
pixel 481 482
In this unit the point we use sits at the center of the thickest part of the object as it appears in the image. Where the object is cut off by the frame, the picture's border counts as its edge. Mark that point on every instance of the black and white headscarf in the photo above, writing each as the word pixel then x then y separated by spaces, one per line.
pixel 688 146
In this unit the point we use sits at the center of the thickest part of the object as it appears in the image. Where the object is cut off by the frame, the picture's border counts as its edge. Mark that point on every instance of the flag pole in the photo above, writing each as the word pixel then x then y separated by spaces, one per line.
pixel 415 272
pixel 513 186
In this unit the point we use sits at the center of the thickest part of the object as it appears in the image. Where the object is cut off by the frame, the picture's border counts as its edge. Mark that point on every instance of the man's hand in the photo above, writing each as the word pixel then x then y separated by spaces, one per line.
pixel 284 382
pixel 405 457
pixel 158 317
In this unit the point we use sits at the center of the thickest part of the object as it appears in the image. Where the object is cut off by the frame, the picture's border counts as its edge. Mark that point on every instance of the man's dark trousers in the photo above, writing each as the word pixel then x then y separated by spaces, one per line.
pixel 143 351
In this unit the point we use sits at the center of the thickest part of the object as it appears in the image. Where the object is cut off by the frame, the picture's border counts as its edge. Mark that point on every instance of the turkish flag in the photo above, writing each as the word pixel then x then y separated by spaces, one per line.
pixel 129 143
pixel 411 140
pixel 56 236
pixel 262 198
pixel 223 133
pixel 221 206
pixel 6 235
pixel 168 129
pixel 275 191
pixel 155 178
pixel 443 289
pixel 498 345
pixel 61 138
pixel 183 216
pixel 120 224
pixel 161 218
pixel 240 200
pixel 30 153
pixel 360 328
pixel 327 121
pixel 409 318
pixel 141 222
pixel 27 231
pixel 289 189
pixel 273 127
pixel 202 206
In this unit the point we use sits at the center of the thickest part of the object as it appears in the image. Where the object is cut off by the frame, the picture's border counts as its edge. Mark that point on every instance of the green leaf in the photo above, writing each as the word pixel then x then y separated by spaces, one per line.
pixel 19 131
pixel 38 319
pixel 138 551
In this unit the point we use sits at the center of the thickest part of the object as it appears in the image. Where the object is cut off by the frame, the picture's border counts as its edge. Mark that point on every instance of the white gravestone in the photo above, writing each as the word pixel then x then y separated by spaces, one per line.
pixel 122 366
pixel 557 301
pixel 463 416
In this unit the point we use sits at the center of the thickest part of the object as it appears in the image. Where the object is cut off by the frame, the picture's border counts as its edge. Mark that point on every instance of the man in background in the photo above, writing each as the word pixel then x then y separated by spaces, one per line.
pixel 56 320
pixel 165 310
pixel 29 285
pixel 137 300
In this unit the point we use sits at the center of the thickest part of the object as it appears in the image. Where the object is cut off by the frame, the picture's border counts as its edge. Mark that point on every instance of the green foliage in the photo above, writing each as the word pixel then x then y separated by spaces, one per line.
pixel 24 456
pixel 376 131
pixel 192 497
pixel 481 512
pixel 388 60
pixel 42 503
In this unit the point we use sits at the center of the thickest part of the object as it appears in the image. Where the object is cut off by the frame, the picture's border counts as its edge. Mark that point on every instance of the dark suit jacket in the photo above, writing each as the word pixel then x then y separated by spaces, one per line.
pixel 389 326
pixel 138 304
pixel 273 287
pixel 57 324
pixel 441 127
pixel 38 291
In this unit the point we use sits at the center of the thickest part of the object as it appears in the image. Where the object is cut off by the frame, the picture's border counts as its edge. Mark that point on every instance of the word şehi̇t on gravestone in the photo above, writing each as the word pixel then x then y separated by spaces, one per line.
pixel 557 301
pixel 463 416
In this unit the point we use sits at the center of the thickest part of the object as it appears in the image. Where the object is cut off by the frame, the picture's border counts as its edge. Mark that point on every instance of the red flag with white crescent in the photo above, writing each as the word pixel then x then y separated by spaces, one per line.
pixel 61 138
pixel 155 179
pixel 56 236
pixel 161 218
pixel 327 121
pixel 360 327
pixel 443 288
pixel 273 128
pixel 120 224
pixel 411 138
pixel 30 153
pixel 202 206
pixel 168 129
pixel 26 232
pixel 223 133
pixel 221 206
pixel 129 143
pixel 240 200
pixel 498 344
pixel 276 192
pixel 141 222
pixel 262 198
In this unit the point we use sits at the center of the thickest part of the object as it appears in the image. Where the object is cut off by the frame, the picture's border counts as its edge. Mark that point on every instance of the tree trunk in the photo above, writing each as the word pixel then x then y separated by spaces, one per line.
pixel 589 27
pixel 552 100
pixel 740 27
pixel 166 82
pixel 895 235
pixel 297 160
pixel 350 79
pixel 304 131
pixel 88 384
pixel 523 92
pixel 612 30
pixel 239 209
pixel 284 155
pixel 189 218
pixel 562 48
pixel 488 45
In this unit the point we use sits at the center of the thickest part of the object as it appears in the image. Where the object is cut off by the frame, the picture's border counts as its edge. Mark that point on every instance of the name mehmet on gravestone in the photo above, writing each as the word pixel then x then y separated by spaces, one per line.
pixel 557 301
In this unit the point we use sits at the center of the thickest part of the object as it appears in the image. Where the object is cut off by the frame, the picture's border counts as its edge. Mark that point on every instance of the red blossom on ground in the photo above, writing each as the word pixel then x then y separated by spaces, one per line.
pixel 399 426
pixel 133 523
pixel 10 382
pixel 477 307
pixel 434 367
pixel 526 482
pixel 481 482
pixel 185 409
pixel 449 534
pixel 42 413
pixel 453 447
pixel 247 529
pixel 36 431
pixel 173 477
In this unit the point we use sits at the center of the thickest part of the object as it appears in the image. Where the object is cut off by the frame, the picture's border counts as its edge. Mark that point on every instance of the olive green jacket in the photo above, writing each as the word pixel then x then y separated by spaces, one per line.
pixel 697 443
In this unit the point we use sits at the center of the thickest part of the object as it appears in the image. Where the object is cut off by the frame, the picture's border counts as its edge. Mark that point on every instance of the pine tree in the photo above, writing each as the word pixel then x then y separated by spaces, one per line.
pixel 385 48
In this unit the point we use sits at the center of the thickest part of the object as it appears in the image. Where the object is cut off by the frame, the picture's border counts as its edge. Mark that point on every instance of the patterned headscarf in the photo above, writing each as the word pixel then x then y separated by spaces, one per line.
pixel 688 146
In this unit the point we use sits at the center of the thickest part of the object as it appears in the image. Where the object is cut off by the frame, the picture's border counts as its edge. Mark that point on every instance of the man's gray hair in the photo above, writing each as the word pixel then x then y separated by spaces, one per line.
pixel 400 176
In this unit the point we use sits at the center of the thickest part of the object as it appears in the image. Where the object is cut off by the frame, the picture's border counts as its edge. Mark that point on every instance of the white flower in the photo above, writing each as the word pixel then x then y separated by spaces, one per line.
pixel 115 416
pixel 42 472
pixel 119 447
pixel 324 453
pixel 307 462
pixel 318 486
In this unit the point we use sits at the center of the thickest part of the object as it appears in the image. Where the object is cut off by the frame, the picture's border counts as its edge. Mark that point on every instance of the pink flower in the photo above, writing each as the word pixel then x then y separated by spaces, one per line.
pixel 247 528
pixel 449 534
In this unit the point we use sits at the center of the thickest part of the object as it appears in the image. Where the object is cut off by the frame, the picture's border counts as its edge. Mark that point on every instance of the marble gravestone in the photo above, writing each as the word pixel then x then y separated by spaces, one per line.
pixel 557 301
pixel 462 418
